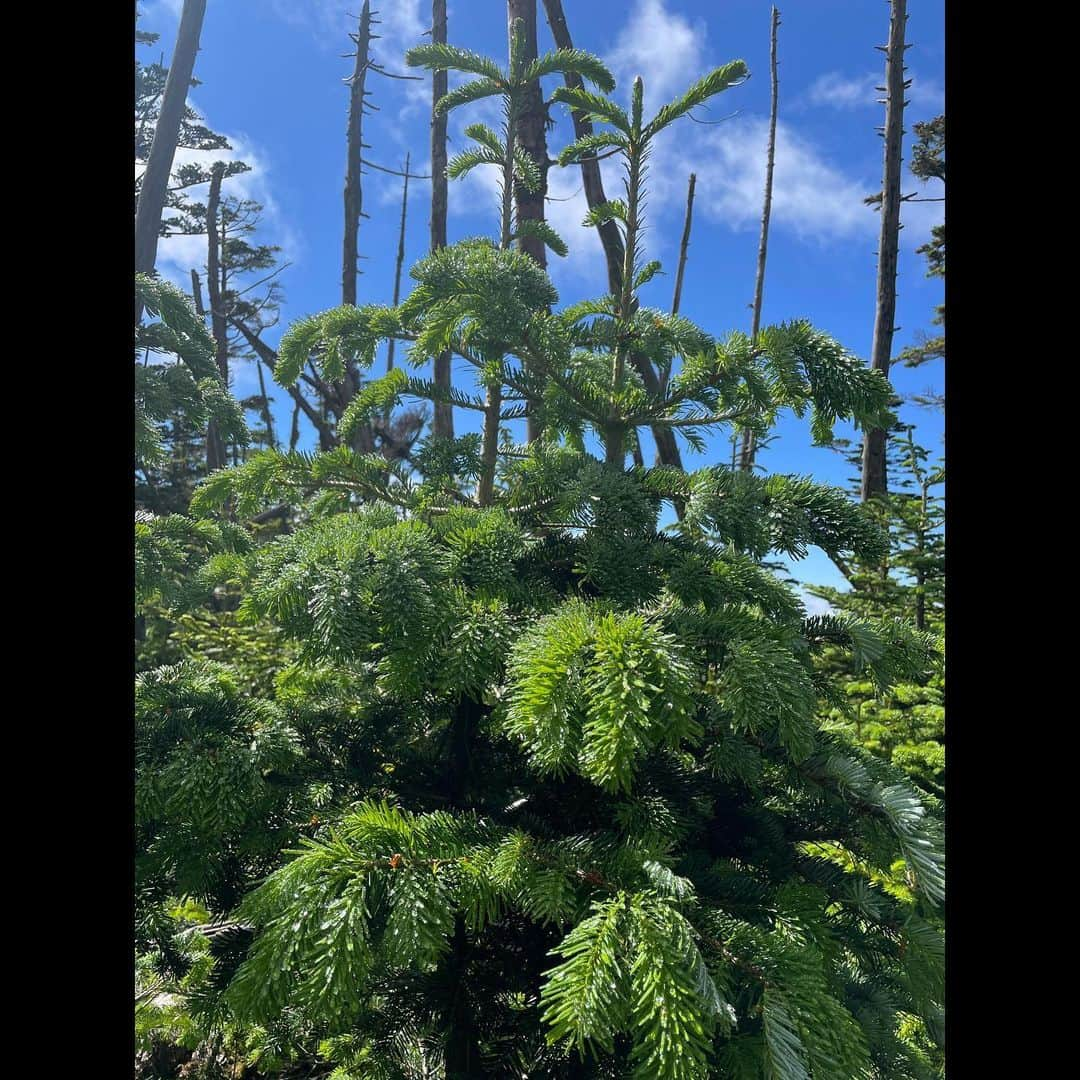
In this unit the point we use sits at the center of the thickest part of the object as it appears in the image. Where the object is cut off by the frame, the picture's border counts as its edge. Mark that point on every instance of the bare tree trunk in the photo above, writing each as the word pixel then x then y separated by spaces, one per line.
pixel 675 300
pixel 443 420
pixel 294 432
pixel 533 139
pixel 196 293
pixel 874 479
pixel 215 449
pixel 746 459
pixel 920 573
pixel 667 449
pixel 354 196
pixel 400 258
pixel 268 420
pixel 155 179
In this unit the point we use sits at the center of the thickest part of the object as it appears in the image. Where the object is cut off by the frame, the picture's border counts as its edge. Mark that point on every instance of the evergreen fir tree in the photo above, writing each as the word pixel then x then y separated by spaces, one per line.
pixel 905 723
pixel 544 792
pixel 181 215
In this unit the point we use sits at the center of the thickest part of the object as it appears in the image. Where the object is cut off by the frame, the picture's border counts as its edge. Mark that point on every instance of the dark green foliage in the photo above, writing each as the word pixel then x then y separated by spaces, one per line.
pixel 175 372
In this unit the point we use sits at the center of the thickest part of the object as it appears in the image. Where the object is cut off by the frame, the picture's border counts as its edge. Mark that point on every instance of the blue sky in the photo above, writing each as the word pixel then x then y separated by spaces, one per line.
pixel 271 74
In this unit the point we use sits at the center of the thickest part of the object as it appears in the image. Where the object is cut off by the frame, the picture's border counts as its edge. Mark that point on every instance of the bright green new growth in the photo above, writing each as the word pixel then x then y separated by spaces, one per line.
pixel 544 791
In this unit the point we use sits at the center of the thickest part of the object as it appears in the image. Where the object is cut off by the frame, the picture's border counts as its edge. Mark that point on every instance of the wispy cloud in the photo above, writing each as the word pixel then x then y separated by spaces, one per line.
pixel 662 47
pixel 178 255
pixel 835 90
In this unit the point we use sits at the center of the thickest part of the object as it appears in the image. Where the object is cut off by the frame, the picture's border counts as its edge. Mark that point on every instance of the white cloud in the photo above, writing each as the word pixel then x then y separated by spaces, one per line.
pixel 812 198
pixel 837 91
pixel 177 255
pixel 662 47
pixel 155 12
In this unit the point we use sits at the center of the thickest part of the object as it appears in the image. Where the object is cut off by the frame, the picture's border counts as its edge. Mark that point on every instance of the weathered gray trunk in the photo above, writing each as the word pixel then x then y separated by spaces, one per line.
pixel 400 257
pixel 874 478
pixel 155 180
pixel 746 461
pixel 196 293
pixel 354 195
pixel 215 449
pixel 443 421
pixel 684 246
pixel 533 139
pixel 268 420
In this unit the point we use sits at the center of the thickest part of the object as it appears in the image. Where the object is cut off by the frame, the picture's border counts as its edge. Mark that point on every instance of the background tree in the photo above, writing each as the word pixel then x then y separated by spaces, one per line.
pixel 155 180
pixel 746 460
pixel 443 419
pixel 928 163
pixel 906 723
pixel 874 478
pixel 667 449
pixel 193 134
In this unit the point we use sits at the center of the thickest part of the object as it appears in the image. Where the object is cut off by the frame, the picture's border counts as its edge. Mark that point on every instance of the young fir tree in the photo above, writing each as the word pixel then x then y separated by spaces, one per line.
pixel 544 793
pixel 904 723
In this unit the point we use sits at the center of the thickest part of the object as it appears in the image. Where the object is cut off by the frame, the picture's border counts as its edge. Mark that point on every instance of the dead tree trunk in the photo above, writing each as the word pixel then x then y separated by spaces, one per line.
pixel 155 180
pixel 746 460
pixel 354 195
pixel 531 123
pixel 268 420
pixel 667 449
pixel 215 449
pixel 400 258
pixel 874 479
pixel 294 431
pixel 443 420
pixel 196 293
pixel 675 300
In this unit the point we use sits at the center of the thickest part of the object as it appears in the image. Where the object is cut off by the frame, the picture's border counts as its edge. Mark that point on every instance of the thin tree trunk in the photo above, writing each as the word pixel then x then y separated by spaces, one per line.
pixel 294 432
pixel 400 258
pixel 155 180
pixel 667 449
pixel 443 420
pixel 215 449
pixel 749 448
pixel 920 547
pixel 676 299
pixel 874 478
pixel 271 441
pixel 196 293
pixel 354 196
pixel 533 139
